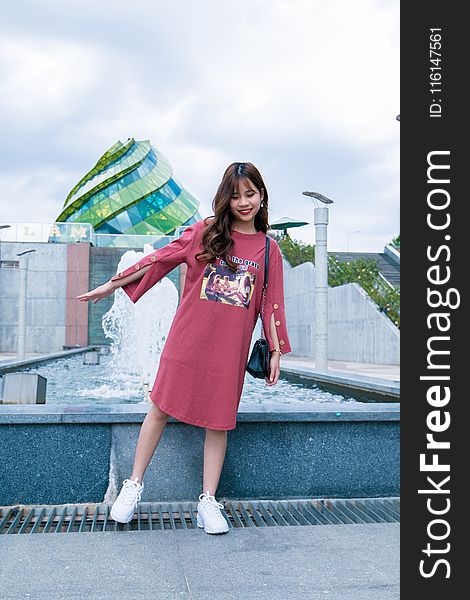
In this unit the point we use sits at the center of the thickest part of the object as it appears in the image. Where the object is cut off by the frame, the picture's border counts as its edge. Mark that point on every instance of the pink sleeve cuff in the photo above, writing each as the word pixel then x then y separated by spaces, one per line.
pixel 162 261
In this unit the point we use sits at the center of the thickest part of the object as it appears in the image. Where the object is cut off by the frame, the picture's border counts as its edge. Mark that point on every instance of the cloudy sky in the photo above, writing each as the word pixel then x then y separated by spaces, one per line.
pixel 307 90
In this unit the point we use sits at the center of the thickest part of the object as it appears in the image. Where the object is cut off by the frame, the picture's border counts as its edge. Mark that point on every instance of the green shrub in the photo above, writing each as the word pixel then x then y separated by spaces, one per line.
pixel 396 242
pixel 365 272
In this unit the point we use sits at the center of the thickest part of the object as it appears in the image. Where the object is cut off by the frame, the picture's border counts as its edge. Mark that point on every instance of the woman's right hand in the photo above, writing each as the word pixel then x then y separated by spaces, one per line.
pixel 102 291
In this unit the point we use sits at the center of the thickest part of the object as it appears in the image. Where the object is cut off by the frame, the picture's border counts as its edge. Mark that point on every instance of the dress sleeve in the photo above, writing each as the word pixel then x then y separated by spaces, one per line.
pixel 162 260
pixel 274 303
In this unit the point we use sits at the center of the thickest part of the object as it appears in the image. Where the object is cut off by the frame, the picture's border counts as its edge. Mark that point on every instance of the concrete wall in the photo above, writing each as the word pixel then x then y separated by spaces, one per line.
pixel 57 454
pixel 46 297
pixel 57 273
pixel 78 272
pixel 103 265
pixel 357 330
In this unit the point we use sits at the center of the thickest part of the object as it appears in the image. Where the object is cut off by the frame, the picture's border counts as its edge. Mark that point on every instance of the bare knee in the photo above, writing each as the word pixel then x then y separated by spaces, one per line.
pixel 157 413
pixel 216 431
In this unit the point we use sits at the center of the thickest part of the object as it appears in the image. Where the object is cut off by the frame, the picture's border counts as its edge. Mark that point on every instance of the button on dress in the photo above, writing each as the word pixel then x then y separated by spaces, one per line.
pixel 203 363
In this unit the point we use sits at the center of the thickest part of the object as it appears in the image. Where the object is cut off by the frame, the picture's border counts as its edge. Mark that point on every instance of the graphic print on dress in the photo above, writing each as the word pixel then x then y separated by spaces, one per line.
pixel 221 284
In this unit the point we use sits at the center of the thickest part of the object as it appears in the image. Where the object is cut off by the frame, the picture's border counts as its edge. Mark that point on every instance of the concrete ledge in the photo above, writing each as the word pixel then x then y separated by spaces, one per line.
pixel 135 413
pixel 8 365
pixel 68 454
pixel 345 383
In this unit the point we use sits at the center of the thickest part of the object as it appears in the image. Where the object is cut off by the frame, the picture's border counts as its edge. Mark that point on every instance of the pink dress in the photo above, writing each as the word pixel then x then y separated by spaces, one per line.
pixel 202 365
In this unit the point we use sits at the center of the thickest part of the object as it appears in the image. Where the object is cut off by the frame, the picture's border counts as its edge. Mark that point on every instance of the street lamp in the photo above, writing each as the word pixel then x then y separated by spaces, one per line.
pixel 22 302
pixel 2 227
pixel 321 279
pixel 349 234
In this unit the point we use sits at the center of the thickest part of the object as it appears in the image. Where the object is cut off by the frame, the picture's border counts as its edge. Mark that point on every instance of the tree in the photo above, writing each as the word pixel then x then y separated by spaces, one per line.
pixel 365 272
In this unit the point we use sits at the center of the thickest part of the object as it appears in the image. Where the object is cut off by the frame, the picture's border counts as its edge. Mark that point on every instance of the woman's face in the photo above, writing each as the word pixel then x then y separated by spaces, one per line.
pixel 245 201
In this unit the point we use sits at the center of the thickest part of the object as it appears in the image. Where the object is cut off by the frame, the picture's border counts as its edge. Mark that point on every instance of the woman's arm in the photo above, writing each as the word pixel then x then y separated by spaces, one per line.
pixel 273 332
pixel 274 310
pixel 104 290
pixel 274 323
pixel 117 283
pixel 146 272
pixel 275 362
pixel 137 279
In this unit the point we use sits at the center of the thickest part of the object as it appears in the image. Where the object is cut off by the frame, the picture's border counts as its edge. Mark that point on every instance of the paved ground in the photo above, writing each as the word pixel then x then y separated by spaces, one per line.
pixel 390 372
pixel 333 562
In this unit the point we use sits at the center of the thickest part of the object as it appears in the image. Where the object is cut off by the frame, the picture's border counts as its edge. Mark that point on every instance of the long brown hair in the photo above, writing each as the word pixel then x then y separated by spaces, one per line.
pixel 216 238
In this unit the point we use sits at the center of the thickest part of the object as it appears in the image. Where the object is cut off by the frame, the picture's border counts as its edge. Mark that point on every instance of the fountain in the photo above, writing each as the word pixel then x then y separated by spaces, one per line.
pixel 291 440
pixel 138 331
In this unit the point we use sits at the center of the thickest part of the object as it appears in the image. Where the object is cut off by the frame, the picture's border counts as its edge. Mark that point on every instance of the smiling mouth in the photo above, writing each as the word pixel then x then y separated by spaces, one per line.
pixel 245 212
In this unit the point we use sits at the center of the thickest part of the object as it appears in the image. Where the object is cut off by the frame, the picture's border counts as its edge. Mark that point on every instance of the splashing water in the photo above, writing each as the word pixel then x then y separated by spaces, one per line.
pixel 138 331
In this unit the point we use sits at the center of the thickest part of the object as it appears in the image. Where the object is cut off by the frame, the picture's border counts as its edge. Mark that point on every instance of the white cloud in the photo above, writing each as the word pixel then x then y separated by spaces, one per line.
pixel 42 78
pixel 308 90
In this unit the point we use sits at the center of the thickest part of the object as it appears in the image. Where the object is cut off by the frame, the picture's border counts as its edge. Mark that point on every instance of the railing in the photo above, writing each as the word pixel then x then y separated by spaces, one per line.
pixel 119 240
pixel 384 282
pixel 65 233
pixel 392 253
pixel 70 233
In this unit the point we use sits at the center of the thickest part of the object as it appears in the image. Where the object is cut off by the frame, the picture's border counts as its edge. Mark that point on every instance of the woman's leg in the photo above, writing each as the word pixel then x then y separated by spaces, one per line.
pixel 150 434
pixel 215 445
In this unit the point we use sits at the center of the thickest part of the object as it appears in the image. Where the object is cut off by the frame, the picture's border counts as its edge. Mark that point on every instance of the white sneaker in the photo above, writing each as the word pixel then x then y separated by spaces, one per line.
pixel 209 515
pixel 124 505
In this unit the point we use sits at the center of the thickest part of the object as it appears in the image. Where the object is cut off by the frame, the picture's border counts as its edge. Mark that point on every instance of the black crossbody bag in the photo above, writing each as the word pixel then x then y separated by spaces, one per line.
pixel 259 362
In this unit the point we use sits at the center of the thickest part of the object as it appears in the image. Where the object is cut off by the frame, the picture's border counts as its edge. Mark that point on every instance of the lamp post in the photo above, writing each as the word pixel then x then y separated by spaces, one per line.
pixel 22 302
pixel 351 233
pixel 2 227
pixel 320 216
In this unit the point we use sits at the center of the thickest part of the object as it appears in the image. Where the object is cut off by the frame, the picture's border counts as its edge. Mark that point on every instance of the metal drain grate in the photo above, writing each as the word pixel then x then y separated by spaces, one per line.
pixel 95 518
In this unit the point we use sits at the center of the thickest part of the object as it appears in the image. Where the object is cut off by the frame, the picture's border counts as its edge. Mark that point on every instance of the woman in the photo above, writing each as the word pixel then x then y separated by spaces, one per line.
pixel 232 241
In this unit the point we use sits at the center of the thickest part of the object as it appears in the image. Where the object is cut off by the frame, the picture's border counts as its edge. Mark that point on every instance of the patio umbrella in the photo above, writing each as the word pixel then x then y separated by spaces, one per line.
pixel 287 223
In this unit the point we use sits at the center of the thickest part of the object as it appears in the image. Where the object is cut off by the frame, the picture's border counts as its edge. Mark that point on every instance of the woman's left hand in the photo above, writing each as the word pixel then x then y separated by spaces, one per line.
pixel 275 369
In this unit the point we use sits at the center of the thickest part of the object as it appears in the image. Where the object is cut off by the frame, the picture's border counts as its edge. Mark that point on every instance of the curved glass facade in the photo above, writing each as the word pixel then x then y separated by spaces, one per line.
pixel 131 190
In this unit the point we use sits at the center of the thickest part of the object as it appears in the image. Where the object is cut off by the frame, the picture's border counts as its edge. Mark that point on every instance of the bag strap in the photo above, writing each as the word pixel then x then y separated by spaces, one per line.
pixel 265 282
pixel 266 261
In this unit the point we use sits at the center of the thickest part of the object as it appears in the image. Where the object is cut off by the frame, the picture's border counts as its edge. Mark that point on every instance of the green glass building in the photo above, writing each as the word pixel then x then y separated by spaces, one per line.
pixel 131 191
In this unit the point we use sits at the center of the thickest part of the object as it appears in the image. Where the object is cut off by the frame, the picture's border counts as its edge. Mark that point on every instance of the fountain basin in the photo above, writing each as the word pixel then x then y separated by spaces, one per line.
pixel 54 454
